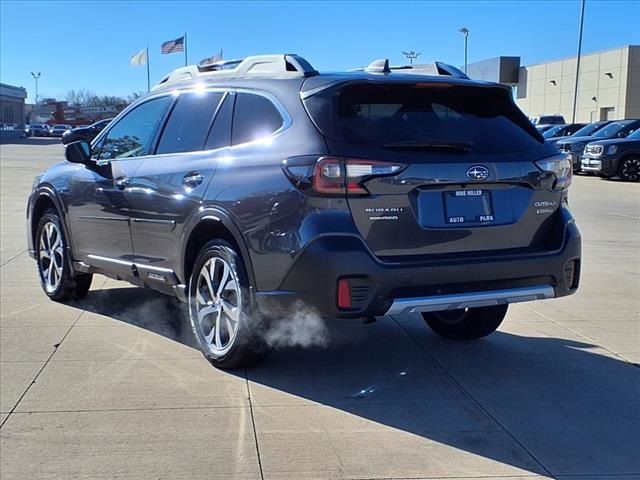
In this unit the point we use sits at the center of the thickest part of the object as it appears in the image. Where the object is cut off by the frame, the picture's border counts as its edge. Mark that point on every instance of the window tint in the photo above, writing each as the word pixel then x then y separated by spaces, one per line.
pixel 254 117
pixel 189 123
pixel 220 134
pixel 132 135
pixel 482 119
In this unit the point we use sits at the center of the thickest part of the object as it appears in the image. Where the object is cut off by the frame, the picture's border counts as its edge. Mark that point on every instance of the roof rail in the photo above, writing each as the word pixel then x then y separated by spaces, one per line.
pixel 436 68
pixel 281 65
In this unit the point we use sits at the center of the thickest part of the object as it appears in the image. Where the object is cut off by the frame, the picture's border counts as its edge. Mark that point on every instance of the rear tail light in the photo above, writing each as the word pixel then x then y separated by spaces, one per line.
pixel 560 166
pixel 337 175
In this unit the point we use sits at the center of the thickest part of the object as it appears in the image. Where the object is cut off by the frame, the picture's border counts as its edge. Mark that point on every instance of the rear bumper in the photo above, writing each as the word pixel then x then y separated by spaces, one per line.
pixel 454 301
pixel 379 288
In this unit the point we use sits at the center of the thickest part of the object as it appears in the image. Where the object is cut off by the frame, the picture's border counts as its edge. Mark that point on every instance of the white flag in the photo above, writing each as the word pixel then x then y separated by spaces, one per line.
pixel 139 58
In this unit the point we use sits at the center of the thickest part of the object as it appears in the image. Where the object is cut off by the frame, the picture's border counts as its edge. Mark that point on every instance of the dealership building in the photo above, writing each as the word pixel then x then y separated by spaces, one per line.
pixel 12 104
pixel 608 84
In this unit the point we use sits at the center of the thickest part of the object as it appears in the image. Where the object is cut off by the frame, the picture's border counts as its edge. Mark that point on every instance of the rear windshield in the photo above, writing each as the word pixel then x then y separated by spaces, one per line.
pixel 479 120
pixel 587 130
pixel 552 132
pixel 610 130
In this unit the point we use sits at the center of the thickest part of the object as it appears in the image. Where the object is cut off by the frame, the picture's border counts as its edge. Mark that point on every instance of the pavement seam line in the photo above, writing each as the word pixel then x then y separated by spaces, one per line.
pixel 55 349
pixel 13 258
pixel 476 401
pixel 592 340
pixel 253 423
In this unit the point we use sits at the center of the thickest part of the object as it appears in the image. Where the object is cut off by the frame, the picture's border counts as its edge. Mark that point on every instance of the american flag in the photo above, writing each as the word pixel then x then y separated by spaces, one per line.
pixel 173 46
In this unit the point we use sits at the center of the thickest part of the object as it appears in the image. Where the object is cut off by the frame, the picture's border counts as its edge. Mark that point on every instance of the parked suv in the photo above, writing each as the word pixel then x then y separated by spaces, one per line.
pixel 559 131
pixel 252 188
pixel 556 119
pixel 617 157
pixel 585 131
pixel 574 146
pixel 39 130
pixel 85 132
pixel 59 130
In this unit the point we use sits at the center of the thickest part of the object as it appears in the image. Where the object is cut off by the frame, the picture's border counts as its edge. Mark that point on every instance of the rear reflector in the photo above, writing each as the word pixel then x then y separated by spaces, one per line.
pixel 344 294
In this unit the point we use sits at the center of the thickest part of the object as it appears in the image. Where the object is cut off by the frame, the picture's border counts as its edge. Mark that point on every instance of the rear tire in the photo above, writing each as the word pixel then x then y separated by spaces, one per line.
pixel 57 279
pixel 220 308
pixel 629 169
pixel 466 324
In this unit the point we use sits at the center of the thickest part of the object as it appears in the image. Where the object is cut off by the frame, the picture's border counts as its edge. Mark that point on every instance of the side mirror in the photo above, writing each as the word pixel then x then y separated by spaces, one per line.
pixel 78 152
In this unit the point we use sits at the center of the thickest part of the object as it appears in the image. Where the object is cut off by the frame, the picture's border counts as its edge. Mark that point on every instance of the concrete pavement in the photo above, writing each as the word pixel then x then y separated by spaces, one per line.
pixel 112 387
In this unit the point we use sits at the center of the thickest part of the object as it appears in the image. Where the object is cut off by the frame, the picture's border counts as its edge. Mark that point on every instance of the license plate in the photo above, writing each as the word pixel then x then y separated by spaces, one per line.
pixel 468 206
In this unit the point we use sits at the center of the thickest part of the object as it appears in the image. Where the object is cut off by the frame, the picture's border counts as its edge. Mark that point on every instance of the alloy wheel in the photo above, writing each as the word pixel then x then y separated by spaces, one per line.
pixel 217 306
pixel 50 256
pixel 631 169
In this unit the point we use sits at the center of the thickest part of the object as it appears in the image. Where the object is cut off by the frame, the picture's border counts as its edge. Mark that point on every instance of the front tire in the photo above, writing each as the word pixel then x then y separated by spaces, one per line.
pixel 57 279
pixel 220 312
pixel 629 169
pixel 466 324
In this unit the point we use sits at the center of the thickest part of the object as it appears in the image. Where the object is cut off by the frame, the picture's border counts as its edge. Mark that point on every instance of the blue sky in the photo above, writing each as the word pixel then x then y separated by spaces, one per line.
pixel 88 44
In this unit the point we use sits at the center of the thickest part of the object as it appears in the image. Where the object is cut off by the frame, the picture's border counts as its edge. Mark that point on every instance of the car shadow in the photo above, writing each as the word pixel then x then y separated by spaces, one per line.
pixel 521 400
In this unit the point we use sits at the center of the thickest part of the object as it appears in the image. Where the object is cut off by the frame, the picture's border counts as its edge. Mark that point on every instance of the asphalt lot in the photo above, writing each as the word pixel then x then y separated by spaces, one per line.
pixel 111 386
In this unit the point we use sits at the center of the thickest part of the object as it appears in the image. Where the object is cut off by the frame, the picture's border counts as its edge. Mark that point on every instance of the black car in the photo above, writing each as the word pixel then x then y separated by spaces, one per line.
pixel 39 130
pixel 585 131
pixel 87 133
pixel 562 130
pixel 255 189
pixel 617 157
pixel 573 146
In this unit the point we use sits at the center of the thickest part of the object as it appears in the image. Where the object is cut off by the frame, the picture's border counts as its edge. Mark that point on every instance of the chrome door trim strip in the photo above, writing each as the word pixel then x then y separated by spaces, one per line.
pixel 109 260
pixel 150 220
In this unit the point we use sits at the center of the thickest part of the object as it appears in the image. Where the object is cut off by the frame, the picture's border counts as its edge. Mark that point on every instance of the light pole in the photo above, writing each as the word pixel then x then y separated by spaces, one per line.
pixel 575 91
pixel 411 55
pixel 36 76
pixel 465 31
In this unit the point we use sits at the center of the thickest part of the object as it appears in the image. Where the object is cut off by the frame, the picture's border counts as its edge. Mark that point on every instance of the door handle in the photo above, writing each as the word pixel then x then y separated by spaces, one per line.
pixel 122 182
pixel 192 179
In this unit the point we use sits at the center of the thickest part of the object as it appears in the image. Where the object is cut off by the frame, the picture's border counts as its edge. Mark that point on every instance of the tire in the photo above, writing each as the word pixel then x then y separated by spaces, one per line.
pixel 466 324
pixel 223 321
pixel 57 278
pixel 629 169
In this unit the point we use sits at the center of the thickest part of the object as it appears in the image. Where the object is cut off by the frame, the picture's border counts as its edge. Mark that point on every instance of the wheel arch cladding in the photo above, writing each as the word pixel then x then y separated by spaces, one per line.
pixel 43 203
pixel 203 232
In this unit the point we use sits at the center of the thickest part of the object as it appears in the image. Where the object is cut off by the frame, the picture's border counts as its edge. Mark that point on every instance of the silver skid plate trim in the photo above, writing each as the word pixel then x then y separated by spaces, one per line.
pixel 438 303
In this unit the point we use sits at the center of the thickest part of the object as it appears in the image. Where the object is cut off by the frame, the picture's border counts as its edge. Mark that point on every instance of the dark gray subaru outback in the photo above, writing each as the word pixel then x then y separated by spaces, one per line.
pixel 247 188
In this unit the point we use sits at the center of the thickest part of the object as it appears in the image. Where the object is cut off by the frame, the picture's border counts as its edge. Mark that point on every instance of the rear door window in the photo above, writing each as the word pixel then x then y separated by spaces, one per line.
pixel 480 120
pixel 254 117
pixel 189 122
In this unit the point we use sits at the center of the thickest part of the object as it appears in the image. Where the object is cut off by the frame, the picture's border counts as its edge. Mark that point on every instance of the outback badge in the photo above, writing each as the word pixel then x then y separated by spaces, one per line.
pixel 478 173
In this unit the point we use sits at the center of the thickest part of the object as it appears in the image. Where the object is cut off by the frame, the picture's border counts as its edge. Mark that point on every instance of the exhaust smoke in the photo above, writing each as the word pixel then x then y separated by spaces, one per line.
pixel 301 327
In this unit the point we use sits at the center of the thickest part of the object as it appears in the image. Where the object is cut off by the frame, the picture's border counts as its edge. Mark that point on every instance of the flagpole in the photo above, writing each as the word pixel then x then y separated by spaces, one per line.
pixel 148 81
pixel 185 49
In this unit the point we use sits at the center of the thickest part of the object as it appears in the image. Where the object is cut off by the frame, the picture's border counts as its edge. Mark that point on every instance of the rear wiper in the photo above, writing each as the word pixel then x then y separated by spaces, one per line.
pixel 431 145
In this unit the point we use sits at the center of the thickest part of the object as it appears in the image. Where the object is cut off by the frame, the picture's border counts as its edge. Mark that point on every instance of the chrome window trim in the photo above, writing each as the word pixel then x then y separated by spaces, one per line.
pixel 287 122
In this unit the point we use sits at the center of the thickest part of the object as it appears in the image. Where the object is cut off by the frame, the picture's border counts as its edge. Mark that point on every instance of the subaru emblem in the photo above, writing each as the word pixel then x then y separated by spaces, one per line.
pixel 478 173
